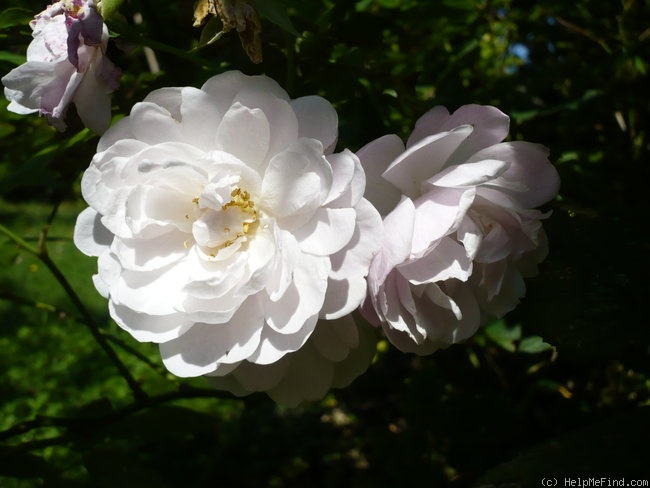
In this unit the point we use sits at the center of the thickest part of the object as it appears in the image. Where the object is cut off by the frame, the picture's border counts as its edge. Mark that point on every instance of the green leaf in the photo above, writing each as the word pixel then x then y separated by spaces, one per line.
pixel 15 16
pixel 503 335
pixel 533 345
pixel 211 32
pixel 110 7
pixel 272 11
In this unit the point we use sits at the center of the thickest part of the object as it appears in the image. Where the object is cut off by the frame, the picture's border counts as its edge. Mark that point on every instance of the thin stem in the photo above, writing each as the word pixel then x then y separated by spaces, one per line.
pixel 87 318
pixel 137 354
pixel 10 296
pixel 184 392
pixel 133 35
pixel 92 326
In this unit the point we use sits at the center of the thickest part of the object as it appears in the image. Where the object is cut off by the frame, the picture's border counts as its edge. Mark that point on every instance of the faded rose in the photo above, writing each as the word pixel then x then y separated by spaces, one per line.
pixel 66 64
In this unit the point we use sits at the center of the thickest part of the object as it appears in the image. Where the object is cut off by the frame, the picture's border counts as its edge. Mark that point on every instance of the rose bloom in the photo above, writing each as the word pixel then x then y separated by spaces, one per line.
pixel 225 226
pixel 66 63
pixel 460 229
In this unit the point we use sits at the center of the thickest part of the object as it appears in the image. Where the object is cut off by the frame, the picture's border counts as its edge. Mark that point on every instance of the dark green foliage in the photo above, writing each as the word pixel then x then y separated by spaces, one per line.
pixel 559 388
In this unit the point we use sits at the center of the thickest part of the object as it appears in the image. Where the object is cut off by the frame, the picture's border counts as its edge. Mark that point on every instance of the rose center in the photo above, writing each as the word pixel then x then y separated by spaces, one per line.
pixel 230 223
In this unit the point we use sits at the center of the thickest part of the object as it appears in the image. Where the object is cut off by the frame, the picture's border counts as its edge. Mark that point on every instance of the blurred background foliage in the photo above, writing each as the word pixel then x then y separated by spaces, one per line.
pixel 559 388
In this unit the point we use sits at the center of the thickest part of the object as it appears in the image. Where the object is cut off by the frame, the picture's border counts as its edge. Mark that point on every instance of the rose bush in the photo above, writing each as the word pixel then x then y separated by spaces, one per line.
pixel 66 64
pixel 460 228
pixel 225 226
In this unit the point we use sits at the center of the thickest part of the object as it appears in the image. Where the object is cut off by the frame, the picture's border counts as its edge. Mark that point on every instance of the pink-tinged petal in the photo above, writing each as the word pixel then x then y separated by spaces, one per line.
pixel 396 245
pixel 317 119
pixel 438 213
pixel 93 101
pixel 327 232
pixel 50 40
pixel 404 343
pixel 200 350
pixel 430 123
pixel 55 102
pixel 395 312
pixel 424 159
pixel 28 82
pixel 530 169
pixel 355 258
pixel 469 174
pixel 496 245
pixel 90 236
pixel 471 236
pixel 245 133
pixel 375 158
pixel 491 126
pixel 446 261
pixel 346 287
pixel 499 287
pixel 149 328
pixel 458 330
pixel 438 297
pixel 296 180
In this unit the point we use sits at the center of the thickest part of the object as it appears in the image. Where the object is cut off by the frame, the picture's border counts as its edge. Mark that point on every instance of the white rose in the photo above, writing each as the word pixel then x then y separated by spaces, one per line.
pixel 224 225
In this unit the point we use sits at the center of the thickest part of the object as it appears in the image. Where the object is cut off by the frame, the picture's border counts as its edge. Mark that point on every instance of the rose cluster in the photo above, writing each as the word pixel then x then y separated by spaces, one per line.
pixel 229 231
